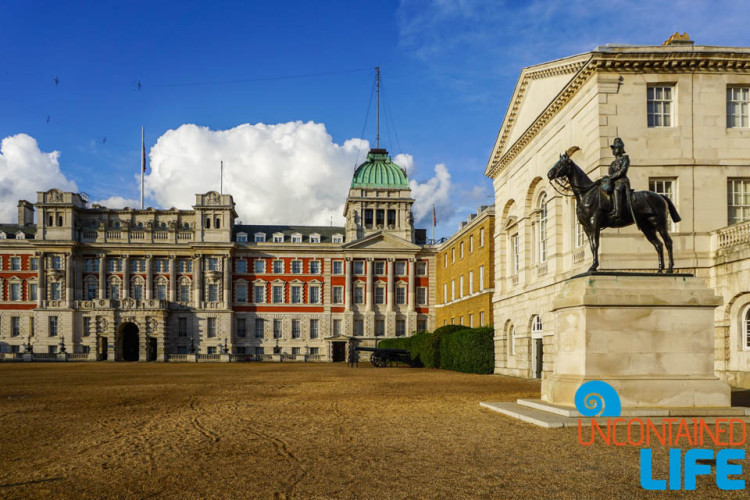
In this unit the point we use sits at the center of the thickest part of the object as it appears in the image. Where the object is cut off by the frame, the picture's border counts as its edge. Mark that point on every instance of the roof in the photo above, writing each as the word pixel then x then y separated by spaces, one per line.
pixel 326 232
pixel 11 229
pixel 378 171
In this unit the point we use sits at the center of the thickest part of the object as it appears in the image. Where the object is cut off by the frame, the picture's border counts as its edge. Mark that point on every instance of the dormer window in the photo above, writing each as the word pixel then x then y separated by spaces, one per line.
pixel 337 238
pixel 241 237
pixel 296 238
pixel 314 238
pixel 278 237
pixel 20 235
pixel 260 237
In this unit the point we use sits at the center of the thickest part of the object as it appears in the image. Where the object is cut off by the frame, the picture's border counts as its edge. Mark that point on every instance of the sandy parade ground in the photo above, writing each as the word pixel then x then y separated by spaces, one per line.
pixel 264 430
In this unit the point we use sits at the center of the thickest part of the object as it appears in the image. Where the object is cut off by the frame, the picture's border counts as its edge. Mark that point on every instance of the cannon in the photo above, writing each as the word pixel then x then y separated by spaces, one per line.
pixel 382 356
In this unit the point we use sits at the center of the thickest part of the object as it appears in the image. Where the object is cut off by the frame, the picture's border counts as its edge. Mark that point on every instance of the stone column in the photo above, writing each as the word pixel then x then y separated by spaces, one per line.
pixel 41 287
pixel 227 285
pixel 102 281
pixel 197 261
pixel 172 279
pixel 347 284
pixel 369 288
pixel 125 276
pixel 69 280
pixel 149 277
pixel 79 263
pixel 390 291
pixel 412 282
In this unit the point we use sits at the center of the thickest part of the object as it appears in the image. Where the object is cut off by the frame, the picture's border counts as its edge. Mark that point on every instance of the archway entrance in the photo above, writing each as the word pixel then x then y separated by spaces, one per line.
pixel 129 342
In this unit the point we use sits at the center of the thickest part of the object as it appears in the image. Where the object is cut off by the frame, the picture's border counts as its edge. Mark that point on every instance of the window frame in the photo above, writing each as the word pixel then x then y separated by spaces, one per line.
pixel 659 108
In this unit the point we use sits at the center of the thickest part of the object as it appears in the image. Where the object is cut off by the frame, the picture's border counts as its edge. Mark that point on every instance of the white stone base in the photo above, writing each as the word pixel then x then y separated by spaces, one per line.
pixel 651 337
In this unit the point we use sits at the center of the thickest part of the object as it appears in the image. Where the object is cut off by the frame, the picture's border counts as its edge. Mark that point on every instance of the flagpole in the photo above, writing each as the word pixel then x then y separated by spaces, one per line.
pixel 143 164
pixel 221 182
pixel 434 221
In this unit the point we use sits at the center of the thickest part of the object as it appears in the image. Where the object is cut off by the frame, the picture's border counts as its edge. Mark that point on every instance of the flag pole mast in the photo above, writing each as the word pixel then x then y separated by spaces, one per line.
pixel 143 163
pixel 221 182
pixel 377 107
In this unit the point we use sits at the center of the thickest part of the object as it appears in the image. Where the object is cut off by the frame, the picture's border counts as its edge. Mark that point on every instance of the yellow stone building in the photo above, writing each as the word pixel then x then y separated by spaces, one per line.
pixel 465 270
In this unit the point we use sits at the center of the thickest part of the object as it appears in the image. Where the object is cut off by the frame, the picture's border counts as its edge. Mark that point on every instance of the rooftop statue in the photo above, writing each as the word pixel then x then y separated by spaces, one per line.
pixel 609 202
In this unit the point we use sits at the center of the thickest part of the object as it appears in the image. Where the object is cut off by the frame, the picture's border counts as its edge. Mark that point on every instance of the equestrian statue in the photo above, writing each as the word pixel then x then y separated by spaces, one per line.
pixel 609 202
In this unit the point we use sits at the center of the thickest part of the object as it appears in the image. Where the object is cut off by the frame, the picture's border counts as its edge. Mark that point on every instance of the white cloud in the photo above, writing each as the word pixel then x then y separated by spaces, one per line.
pixel 24 170
pixel 406 161
pixel 118 202
pixel 435 191
pixel 286 173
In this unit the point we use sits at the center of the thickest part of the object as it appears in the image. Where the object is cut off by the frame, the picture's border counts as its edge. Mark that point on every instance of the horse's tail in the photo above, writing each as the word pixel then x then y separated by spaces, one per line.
pixel 672 209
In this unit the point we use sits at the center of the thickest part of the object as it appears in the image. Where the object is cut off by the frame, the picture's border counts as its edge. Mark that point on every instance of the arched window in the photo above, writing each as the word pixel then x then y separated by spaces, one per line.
pixel 511 339
pixel 746 327
pixel 536 326
pixel 579 236
pixel 543 230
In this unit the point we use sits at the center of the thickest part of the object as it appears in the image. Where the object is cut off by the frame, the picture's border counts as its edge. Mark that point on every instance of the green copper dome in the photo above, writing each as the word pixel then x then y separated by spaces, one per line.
pixel 378 171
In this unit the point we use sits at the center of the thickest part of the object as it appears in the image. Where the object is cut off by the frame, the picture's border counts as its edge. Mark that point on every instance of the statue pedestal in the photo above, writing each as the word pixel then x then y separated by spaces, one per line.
pixel 651 337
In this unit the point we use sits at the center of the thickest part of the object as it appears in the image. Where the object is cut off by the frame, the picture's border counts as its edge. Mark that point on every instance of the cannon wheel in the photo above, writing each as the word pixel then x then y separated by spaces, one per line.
pixel 378 361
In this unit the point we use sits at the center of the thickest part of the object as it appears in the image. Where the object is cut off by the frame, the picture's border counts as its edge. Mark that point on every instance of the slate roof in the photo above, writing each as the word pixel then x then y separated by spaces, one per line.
pixel 326 232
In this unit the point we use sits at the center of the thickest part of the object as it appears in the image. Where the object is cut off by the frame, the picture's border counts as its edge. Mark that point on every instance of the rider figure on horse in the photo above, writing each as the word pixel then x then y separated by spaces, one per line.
pixel 617 183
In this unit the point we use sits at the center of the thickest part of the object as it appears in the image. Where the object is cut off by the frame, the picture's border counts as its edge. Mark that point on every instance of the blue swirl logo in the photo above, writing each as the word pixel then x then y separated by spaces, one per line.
pixel 597 399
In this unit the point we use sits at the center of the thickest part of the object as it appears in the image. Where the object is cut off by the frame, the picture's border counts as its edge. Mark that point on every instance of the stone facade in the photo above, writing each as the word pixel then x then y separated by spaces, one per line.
pixel 465 272
pixel 670 106
pixel 155 285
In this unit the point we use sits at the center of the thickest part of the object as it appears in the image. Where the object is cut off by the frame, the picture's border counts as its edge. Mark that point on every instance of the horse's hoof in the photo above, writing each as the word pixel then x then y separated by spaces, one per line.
pixel 670 271
pixel 592 269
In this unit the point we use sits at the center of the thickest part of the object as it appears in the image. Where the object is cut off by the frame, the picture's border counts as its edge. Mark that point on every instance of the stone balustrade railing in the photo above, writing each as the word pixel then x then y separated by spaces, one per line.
pixel 137 235
pixel 730 236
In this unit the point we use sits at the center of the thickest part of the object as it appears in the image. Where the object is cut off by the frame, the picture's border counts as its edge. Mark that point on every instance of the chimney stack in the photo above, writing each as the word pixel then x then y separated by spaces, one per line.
pixel 25 213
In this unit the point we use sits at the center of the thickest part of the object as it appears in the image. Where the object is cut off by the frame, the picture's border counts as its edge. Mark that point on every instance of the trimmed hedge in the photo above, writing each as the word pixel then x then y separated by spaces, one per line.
pixel 451 347
pixel 468 350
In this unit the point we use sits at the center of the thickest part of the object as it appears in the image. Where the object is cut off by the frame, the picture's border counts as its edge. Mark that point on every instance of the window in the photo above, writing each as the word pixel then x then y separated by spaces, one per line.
pixel 161 265
pixel 445 293
pixel 400 327
pixel 453 290
pixel 161 291
pixel 445 260
pixel 241 350
pixel 260 237
pixel 481 237
pixel 314 238
pixel 400 268
pixel 32 291
pixel 15 291
pixel 738 197
pixel 421 295
pixel 512 340
pixel 659 106
pixel 578 232
pixel 184 292
pixel 380 295
pixel 453 255
pixel 35 264
pixel 259 294
pixel 278 238
pixel 57 262
pixel 211 350
pixel 338 295
pixel 536 326
pixel 15 326
pixel 543 232
pixel 15 263
pixel 422 268
pixel 241 237
pixel 461 320
pixel 259 266
pixel 379 327
pixel 260 328
pixel 296 294
pixel 359 295
pixel 241 293
pixel 314 325
pixel 182 327
pixel 338 267
pixel 471 243
pixel 337 327
pixel 277 328
pixel 52 349
pixel 186 266
pixel 514 255
pixel 138 265
pixel 114 291
pixel 359 327
pixel 314 294
pixel 55 292
pixel 421 325
pixel 379 267
pixel 295 329
pixel 211 327
pixel 241 266
pixel 295 351
pixel 481 278
pixel 217 223
pixel 278 294
pixel 481 318
pixel 296 266
pixel 314 267
pixel 471 282
pixel 461 286
pixel 314 351
pixel 278 267
pixel 213 292
pixel 138 291
pixel 664 187
pixel 259 351
pixel 241 327
pixel 53 326
pixel 296 238
pixel 337 238
pixel 213 264
pixel 400 295
pixel 359 267
pixel 208 222
pixel 738 99
pixel 471 321
pixel 113 265
pixel 461 250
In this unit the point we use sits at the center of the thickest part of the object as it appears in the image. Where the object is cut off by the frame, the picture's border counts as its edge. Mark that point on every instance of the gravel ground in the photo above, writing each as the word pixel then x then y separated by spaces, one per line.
pixel 130 430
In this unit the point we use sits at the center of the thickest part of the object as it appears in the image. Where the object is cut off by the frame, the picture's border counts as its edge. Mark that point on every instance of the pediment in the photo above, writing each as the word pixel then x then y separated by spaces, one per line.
pixel 381 241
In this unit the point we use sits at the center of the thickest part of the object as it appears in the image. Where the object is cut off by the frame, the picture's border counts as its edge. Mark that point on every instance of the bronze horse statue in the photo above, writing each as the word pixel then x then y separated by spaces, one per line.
pixel 649 210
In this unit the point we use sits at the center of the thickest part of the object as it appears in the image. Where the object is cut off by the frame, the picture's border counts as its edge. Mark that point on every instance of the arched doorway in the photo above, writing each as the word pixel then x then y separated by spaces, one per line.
pixel 129 342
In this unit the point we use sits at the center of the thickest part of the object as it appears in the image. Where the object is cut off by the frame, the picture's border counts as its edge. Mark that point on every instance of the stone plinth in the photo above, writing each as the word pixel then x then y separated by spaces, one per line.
pixel 224 358
pixel 651 337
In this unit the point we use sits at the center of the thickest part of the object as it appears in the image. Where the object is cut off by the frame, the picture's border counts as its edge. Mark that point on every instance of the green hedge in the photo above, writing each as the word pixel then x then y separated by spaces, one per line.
pixel 452 347
pixel 468 350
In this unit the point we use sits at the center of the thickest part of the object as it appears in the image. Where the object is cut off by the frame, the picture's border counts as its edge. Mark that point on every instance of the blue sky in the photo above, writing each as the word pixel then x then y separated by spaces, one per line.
pixel 449 69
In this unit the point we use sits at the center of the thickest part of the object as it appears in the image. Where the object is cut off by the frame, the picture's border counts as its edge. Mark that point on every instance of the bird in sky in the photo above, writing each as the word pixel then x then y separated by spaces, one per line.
pixel 57 81
pixel 47 118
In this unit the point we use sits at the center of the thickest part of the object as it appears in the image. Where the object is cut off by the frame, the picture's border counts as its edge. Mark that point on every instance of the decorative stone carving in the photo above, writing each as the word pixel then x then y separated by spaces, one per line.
pixel 213 198
pixel 54 196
